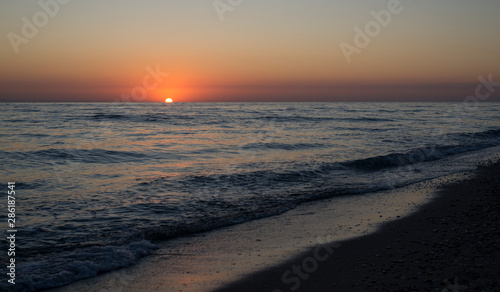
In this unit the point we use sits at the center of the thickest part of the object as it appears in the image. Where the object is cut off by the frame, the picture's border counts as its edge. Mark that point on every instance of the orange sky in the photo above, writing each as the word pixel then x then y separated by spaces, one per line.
pixel 258 51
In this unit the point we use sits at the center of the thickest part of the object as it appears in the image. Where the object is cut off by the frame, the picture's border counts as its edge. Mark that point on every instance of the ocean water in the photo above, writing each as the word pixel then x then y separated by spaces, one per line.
pixel 99 185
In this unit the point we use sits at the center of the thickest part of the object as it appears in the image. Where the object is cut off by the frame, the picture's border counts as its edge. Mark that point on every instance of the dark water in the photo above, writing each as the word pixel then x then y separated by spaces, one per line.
pixel 98 185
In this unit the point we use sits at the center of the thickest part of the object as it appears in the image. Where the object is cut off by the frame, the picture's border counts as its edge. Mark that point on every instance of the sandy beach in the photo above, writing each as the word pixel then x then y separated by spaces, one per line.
pixel 451 244
pixel 368 243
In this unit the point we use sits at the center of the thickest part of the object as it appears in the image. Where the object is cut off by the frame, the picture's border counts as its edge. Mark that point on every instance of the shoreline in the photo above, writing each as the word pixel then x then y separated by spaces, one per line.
pixel 451 243
pixel 211 260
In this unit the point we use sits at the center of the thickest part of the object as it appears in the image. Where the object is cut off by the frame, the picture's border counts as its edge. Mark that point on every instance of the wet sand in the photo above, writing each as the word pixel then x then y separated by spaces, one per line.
pixel 450 244
pixel 209 260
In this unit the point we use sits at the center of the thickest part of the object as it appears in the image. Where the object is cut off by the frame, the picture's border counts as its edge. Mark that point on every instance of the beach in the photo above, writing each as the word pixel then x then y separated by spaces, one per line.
pixel 211 146
pixel 450 244
pixel 449 240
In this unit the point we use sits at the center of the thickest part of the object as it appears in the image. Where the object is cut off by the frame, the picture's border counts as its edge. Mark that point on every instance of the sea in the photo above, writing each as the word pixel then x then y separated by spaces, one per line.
pixel 100 185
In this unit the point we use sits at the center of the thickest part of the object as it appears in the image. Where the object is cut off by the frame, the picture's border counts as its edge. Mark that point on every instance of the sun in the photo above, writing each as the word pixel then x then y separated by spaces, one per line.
pixel 169 100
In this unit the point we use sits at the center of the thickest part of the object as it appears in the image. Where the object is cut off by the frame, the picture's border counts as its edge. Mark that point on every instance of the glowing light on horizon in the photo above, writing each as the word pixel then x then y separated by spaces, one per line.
pixel 169 100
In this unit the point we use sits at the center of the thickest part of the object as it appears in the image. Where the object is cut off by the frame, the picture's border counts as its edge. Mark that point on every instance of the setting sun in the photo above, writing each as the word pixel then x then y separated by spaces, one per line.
pixel 169 100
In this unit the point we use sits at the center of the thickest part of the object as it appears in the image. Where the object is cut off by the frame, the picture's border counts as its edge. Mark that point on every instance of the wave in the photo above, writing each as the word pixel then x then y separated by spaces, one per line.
pixel 282 146
pixel 69 267
pixel 101 116
pixel 365 119
pixel 150 117
pixel 474 141
pixel 483 135
pixel 78 155
pixel 322 119
pixel 402 159
pixel 412 157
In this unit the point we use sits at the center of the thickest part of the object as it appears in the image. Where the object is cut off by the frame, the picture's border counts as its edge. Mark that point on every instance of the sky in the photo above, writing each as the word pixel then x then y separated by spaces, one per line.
pixel 249 50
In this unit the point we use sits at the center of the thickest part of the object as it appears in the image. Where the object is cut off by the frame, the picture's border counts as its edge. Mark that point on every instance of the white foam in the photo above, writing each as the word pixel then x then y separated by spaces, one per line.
pixel 65 268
